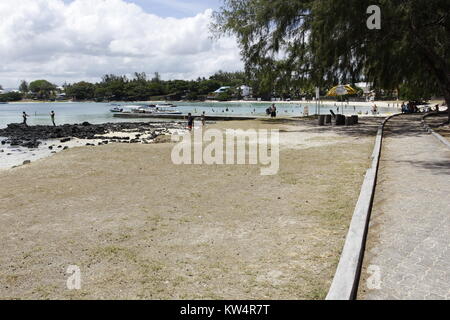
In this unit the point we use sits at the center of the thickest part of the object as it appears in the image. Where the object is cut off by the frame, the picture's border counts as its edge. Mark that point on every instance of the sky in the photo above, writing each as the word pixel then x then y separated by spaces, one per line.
pixel 174 8
pixel 74 40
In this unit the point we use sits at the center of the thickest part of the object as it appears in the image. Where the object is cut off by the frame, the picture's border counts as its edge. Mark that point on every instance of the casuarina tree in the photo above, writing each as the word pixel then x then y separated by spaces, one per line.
pixel 334 41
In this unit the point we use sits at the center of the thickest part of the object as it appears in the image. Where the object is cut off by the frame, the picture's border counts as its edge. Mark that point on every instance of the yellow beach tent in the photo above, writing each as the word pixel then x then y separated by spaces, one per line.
pixel 341 90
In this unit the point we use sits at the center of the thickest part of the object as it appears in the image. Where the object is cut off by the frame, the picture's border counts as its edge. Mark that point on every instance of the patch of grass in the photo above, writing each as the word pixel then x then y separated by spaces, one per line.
pixel 317 293
pixel 113 252
pixel 44 291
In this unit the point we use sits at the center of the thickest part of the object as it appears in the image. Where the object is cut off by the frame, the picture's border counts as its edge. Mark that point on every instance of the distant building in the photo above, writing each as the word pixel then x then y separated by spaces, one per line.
pixel 368 94
pixel 222 89
pixel 246 91
pixel 61 96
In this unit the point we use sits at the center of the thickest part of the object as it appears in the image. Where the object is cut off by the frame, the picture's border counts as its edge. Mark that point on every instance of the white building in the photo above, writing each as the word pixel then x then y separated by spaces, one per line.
pixel 365 86
pixel 222 89
pixel 246 91
pixel 367 92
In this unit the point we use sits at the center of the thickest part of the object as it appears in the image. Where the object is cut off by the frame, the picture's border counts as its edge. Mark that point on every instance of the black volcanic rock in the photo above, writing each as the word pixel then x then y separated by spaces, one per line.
pixel 31 144
pixel 29 136
pixel 15 142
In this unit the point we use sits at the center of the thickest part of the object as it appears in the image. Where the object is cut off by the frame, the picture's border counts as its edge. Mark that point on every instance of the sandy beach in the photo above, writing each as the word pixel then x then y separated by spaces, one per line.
pixel 394 104
pixel 140 227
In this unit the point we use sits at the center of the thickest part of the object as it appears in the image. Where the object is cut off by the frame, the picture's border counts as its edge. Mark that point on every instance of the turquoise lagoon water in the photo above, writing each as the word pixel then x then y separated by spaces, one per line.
pixel 75 112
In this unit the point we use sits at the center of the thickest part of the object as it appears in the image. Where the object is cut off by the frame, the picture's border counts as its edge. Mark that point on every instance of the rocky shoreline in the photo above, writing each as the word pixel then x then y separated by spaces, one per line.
pixel 20 144
pixel 32 136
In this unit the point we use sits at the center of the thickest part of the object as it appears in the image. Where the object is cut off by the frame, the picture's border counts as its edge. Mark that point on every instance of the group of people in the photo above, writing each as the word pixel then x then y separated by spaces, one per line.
pixel 25 117
pixel 190 120
pixel 272 111
pixel 409 107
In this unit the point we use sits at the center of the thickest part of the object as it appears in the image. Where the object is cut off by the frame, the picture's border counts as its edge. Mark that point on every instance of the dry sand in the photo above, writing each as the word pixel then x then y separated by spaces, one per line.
pixel 140 227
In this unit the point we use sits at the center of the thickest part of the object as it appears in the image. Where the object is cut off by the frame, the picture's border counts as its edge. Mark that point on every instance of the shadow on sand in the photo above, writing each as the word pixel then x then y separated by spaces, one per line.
pixel 365 127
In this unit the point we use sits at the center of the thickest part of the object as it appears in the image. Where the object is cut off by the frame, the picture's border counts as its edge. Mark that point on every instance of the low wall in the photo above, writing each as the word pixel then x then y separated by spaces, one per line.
pixel 346 279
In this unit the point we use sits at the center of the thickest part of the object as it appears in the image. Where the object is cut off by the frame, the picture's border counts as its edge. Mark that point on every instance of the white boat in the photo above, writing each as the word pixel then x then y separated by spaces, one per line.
pixel 166 105
pixel 129 109
pixel 151 109
pixel 141 108
pixel 165 110
pixel 145 109
pixel 116 109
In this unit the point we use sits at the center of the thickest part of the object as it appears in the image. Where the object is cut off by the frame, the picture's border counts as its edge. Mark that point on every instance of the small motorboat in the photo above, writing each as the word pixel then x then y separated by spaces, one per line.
pixel 166 111
pixel 156 110
pixel 166 105
pixel 116 109
pixel 148 109
pixel 145 108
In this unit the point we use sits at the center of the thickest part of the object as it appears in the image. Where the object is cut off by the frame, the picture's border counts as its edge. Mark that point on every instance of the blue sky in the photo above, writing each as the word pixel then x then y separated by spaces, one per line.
pixel 174 8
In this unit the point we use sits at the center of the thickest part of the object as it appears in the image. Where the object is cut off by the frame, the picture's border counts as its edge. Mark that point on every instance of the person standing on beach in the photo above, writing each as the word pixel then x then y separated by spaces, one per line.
pixel 203 119
pixel 25 116
pixel 190 120
pixel 52 116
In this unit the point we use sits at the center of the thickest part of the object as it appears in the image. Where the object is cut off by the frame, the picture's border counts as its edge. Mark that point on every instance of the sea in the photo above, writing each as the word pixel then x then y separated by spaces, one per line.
pixel 95 113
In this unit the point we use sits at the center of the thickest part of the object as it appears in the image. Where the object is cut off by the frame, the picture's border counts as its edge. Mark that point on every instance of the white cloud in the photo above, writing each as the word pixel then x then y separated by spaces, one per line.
pixel 88 38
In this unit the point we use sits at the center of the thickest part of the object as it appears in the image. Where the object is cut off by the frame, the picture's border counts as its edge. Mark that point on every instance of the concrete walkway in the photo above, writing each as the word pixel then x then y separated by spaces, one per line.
pixel 408 248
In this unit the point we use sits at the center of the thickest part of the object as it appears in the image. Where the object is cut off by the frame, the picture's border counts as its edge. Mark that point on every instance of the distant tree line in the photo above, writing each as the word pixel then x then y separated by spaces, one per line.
pixel 266 84
pixel 137 88
pixel 140 87
pixel 10 96
pixel 38 89
pixel 274 79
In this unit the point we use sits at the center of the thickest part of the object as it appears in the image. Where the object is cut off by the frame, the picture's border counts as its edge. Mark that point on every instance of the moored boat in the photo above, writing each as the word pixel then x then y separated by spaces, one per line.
pixel 166 105
pixel 116 109
pixel 161 109
pixel 144 108
pixel 166 111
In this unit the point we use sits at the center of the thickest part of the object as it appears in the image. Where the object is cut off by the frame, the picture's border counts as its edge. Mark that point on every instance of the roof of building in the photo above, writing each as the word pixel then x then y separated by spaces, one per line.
pixel 221 89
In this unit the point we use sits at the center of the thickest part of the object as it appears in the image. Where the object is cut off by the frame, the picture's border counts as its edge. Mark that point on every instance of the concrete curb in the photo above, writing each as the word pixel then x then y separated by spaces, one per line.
pixel 346 279
pixel 435 134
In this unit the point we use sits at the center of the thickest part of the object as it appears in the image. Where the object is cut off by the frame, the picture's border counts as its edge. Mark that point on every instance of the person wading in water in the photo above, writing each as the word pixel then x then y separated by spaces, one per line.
pixel 273 112
pixel 52 115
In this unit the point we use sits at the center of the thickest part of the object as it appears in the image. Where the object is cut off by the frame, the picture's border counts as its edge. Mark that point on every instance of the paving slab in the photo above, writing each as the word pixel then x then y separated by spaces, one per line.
pixel 408 246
